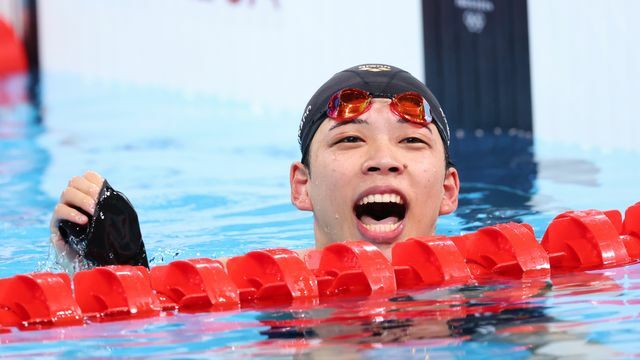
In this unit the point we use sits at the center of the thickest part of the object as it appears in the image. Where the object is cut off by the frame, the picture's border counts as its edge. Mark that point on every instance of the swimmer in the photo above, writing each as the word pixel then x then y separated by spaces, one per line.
pixel 375 162
pixel 375 166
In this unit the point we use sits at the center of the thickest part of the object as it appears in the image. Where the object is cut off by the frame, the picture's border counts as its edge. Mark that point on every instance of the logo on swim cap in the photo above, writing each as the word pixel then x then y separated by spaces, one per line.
pixel 304 119
pixel 446 126
pixel 306 113
pixel 374 67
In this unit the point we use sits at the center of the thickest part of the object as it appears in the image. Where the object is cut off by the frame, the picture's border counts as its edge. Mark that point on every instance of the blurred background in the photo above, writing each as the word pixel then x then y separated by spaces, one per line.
pixel 191 107
pixel 493 63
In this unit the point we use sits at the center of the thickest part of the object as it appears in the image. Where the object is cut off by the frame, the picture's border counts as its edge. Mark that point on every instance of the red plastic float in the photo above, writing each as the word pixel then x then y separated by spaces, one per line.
pixel 355 268
pixel 575 240
pixel 38 300
pixel 116 291
pixel 424 261
pixel 505 249
pixel 272 275
pixel 586 239
pixel 195 285
pixel 631 231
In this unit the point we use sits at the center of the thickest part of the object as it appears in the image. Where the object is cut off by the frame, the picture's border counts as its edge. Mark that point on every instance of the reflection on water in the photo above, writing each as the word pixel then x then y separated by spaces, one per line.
pixel 570 171
pixel 205 187
pixel 497 173
pixel 505 160
pixel 511 318
pixel 538 318
pixel 24 208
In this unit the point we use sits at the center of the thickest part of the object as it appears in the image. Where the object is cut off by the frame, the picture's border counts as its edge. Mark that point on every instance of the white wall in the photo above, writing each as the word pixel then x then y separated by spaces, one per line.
pixel 267 51
pixel 585 63
pixel 584 53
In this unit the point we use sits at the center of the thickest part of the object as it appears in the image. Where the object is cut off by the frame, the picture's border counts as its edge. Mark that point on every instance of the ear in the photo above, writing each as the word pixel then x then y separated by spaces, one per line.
pixel 299 179
pixel 451 187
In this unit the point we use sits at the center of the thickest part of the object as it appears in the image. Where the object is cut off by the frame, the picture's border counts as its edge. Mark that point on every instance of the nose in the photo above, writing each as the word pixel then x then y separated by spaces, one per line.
pixel 382 161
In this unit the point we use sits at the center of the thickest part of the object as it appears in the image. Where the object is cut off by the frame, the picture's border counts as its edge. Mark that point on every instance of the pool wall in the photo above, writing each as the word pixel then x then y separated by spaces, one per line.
pixel 584 67
pixel 273 53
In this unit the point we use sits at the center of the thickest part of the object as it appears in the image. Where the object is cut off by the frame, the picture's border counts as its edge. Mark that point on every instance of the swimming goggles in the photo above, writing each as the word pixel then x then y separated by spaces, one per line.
pixel 349 103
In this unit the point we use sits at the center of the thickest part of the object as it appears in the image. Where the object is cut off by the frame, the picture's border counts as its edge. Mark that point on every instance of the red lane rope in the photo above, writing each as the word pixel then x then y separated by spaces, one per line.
pixel 574 241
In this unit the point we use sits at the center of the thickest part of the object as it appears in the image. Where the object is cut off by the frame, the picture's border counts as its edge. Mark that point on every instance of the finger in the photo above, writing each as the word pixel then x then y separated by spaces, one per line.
pixel 65 212
pixel 85 186
pixel 94 178
pixel 75 198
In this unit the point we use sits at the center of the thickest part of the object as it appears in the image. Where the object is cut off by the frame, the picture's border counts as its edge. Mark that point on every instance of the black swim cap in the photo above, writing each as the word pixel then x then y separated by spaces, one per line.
pixel 378 79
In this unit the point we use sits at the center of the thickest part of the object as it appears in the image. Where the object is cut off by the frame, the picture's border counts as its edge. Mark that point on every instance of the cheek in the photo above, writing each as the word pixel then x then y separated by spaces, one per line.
pixel 430 180
pixel 337 168
pixel 330 176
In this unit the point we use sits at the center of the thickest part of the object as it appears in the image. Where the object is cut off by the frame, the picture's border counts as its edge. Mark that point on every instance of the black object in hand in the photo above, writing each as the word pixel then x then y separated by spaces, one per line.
pixel 112 235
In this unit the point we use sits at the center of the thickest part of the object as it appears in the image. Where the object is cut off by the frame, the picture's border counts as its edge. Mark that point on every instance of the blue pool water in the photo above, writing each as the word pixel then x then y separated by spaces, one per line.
pixel 209 178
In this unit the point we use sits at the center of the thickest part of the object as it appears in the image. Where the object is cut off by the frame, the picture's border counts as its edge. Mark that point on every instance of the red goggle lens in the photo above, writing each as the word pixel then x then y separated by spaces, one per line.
pixel 411 106
pixel 348 103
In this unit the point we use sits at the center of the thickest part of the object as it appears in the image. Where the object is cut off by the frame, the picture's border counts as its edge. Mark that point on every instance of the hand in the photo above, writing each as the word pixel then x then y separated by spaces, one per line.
pixel 82 193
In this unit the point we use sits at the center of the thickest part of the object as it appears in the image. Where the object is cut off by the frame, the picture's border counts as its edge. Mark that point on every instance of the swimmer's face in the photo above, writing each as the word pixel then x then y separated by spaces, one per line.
pixel 377 178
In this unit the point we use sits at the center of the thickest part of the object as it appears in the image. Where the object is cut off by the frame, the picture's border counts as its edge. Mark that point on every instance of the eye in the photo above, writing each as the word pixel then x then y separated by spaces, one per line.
pixel 413 140
pixel 349 139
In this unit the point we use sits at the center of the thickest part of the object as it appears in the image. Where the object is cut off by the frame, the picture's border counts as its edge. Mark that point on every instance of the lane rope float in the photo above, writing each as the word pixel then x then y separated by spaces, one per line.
pixel 574 241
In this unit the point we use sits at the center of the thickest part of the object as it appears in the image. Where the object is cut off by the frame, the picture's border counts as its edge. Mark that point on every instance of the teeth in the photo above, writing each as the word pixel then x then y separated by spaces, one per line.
pixel 381 198
pixel 381 227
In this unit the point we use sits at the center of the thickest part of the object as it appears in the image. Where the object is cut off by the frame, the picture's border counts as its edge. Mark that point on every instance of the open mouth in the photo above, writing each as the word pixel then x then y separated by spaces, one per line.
pixel 380 215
